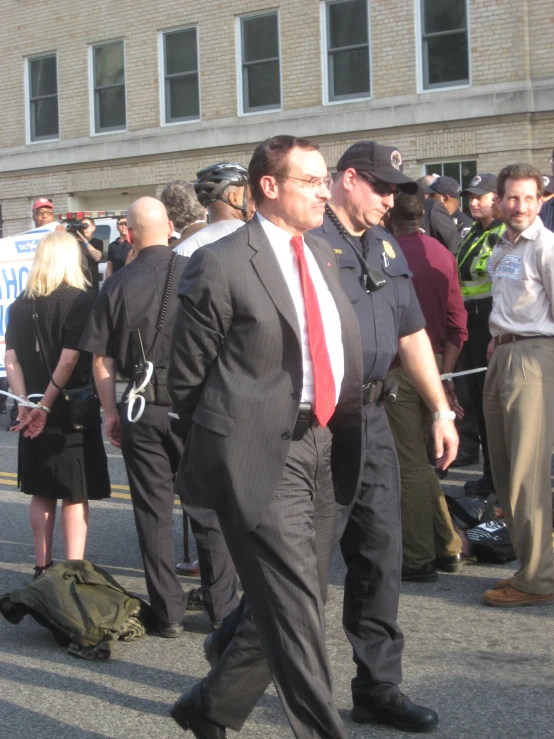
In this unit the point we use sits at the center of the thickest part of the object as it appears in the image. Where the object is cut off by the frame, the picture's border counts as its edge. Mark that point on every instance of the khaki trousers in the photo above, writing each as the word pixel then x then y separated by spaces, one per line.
pixel 427 530
pixel 518 402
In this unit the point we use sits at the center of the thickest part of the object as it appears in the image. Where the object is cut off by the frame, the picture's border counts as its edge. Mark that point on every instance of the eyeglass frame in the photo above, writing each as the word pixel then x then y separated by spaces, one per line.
pixel 311 185
pixel 379 185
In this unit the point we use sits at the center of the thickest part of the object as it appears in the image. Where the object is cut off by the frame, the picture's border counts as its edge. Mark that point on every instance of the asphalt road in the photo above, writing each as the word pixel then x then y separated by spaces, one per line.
pixel 488 672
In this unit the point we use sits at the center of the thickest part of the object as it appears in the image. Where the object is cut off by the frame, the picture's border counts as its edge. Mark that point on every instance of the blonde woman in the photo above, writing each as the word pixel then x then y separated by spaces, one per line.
pixel 55 462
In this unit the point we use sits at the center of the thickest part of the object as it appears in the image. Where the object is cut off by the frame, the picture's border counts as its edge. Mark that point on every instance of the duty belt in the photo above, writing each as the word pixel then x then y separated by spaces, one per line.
pixel 372 391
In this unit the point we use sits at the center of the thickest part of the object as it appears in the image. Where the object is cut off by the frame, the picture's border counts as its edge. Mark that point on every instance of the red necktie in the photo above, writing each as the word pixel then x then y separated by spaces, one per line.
pixel 324 382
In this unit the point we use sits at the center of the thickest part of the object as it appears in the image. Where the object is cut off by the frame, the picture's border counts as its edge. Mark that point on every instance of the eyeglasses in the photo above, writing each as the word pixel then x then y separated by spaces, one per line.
pixel 312 184
pixel 382 189
pixel 122 223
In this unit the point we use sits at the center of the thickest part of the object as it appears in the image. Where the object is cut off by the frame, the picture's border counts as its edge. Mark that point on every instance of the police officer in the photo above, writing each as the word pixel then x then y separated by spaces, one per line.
pixel 376 278
pixel 129 331
pixel 476 283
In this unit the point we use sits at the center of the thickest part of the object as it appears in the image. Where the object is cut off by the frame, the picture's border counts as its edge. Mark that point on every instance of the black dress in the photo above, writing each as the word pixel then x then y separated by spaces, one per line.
pixel 60 462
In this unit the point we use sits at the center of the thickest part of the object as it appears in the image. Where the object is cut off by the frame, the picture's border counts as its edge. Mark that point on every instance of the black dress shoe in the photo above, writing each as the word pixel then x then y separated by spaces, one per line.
pixel 188 569
pixel 483 487
pixel 189 719
pixel 398 711
pixel 453 563
pixel 169 629
pixel 464 459
pixel 427 573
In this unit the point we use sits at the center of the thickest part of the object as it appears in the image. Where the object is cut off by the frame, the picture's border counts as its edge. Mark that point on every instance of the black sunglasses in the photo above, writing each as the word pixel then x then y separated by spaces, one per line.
pixel 382 189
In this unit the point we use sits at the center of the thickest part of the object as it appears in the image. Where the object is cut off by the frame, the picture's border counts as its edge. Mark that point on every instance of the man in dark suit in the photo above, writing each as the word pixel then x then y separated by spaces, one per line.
pixel 265 375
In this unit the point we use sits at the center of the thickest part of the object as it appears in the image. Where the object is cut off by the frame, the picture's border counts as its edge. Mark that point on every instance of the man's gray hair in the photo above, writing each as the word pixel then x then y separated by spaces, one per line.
pixel 182 204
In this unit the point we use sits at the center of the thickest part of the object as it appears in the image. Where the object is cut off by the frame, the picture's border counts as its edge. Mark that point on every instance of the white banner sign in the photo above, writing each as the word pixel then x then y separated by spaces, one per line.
pixel 16 255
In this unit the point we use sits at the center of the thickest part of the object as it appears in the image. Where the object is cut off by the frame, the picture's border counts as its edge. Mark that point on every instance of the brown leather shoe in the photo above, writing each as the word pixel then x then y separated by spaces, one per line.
pixel 505 583
pixel 509 597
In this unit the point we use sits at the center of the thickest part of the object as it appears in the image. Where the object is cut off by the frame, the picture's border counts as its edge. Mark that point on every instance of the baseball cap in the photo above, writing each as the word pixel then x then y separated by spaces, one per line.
pixel 444 186
pixel 548 183
pixel 42 203
pixel 481 184
pixel 383 162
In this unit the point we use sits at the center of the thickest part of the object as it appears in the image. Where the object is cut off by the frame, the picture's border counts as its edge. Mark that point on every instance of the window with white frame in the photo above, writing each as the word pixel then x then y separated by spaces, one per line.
pixel 445 43
pixel 43 98
pixel 347 49
pixel 260 62
pixel 108 76
pixel 181 91
pixel 462 172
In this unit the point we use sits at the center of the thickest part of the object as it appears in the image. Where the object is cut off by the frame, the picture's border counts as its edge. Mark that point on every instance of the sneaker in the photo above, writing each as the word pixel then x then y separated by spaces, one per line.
pixel 195 600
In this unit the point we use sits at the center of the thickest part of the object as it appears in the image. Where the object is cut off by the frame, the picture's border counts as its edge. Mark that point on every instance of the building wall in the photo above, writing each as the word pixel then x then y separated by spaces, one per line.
pixel 506 113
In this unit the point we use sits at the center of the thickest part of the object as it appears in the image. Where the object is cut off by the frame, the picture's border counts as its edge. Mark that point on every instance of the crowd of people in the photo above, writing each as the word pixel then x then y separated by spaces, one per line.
pixel 283 379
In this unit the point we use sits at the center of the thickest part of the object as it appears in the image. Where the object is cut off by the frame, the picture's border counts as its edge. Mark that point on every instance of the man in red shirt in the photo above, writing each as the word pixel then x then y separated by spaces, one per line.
pixel 428 537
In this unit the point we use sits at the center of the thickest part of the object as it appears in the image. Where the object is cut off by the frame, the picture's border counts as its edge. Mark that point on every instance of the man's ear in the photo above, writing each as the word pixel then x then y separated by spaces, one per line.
pixel 269 186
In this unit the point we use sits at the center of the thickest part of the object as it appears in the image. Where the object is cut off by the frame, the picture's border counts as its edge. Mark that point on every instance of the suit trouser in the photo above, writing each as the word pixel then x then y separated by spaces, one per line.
pixel 519 411
pixel 371 543
pixel 427 530
pixel 472 356
pixel 283 565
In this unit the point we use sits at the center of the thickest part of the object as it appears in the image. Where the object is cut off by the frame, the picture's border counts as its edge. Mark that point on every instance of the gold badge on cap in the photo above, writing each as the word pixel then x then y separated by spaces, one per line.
pixel 389 251
pixel 396 159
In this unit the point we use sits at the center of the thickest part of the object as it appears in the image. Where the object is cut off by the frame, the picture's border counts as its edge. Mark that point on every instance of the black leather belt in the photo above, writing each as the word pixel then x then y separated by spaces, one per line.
pixel 304 421
pixel 372 391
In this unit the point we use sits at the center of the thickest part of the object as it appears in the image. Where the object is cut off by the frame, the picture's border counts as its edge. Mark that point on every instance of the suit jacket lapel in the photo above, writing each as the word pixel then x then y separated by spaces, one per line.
pixel 267 267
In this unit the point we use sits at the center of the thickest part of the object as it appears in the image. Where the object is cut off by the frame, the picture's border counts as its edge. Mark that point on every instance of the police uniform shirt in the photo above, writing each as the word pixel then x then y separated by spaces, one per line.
pixel 384 315
pixel 131 300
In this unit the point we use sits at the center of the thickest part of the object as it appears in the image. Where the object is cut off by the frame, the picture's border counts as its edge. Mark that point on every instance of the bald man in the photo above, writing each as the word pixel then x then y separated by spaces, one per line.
pixel 127 332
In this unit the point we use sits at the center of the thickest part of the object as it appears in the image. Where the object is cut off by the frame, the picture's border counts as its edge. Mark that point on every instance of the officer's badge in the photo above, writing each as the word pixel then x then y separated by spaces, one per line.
pixel 475 181
pixel 396 159
pixel 337 251
pixel 389 251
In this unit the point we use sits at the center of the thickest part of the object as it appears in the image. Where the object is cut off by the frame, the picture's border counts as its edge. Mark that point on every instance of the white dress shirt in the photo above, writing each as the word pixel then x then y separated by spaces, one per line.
pixel 288 261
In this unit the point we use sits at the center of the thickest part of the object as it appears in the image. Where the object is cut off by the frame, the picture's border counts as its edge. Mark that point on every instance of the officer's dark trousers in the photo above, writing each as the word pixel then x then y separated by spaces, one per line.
pixel 371 543
pixel 472 356
pixel 151 452
pixel 218 577
pixel 283 565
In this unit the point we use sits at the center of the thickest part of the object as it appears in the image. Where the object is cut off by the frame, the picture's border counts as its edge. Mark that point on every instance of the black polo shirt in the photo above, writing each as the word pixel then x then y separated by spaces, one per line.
pixel 386 314
pixel 130 300
pixel 117 254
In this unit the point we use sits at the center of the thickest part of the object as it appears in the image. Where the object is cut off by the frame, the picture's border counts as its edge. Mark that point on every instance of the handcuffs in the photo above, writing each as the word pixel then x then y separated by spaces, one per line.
pixel 135 393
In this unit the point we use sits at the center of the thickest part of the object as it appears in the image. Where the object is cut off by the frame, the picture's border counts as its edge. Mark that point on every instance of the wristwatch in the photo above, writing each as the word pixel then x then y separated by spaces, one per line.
pixel 444 414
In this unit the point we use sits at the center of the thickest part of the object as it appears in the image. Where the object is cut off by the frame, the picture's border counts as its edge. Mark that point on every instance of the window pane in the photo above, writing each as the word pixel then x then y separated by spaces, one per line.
pixel 263 87
pixel 452 169
pixel 43 77
pixel 180 52
pixel 447 59
pixel 350 72
pixel 111 108
pixel 182 99
pixel 444 15
pixel 433 169
pixel 108 65
pixel 347 23
pixel 469 170
pixel 260 38
pixel 45 118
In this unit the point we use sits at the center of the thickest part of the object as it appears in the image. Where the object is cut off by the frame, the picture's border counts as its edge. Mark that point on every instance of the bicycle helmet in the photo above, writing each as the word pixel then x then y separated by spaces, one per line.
pixel 213 180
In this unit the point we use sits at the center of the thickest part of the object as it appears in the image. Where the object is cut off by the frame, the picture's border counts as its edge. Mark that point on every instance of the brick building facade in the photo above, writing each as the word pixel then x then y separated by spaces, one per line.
pixel 465 84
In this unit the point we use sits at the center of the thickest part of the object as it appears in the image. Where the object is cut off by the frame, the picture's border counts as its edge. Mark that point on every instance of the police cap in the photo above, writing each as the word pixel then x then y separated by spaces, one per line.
pixel 383 162
pixel 481 184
